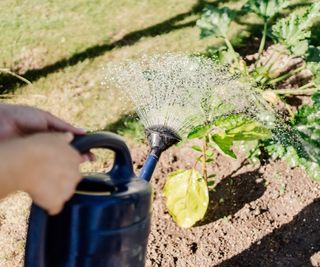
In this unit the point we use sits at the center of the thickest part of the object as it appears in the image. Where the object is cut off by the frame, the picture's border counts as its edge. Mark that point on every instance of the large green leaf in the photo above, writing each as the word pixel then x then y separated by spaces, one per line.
pixel 313 54
pixel 266 9
pixel 307 124
pixel 242 128
pixel 224 144
pixel 316 99
pixel 199 131
pixel 290 154
pixel 294 31
pixel 315 69
pixel 187 197
pixel 237 128
pixel 312 169
pixel 299 145
pixel 215 21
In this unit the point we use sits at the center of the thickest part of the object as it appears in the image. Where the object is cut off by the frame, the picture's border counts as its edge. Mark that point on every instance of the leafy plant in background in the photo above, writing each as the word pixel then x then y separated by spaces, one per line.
pixel 286 62
pixel 266 10
pixel 289 61
pixel 288 66
pixel 215 22
pixel 298 145
pixel 186 191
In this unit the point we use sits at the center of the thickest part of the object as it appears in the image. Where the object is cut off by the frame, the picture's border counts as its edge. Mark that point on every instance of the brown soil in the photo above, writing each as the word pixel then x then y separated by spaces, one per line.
pixel 258 216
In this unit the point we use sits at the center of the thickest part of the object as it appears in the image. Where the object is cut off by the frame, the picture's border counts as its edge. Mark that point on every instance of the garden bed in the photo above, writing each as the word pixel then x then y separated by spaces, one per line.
pixel 258 216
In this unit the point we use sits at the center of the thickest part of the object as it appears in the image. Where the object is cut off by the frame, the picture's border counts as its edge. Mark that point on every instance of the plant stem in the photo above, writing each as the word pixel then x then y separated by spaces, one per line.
pixel 263 39
pixel 204 158
pixel 15 75
pixel 303 87
pixel 295 91
pixel 230 46
pixel 239 63
pixel 287 75
pixel 291 113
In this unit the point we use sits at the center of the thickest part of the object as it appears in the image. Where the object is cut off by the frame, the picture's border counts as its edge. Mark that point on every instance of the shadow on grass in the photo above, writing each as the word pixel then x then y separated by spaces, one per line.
pixel 232 193
pixel 293 244
pixel 9 83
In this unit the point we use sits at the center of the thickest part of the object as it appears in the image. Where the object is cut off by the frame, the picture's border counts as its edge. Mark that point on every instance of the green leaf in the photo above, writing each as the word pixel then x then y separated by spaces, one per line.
pixel 224 144
pixel 315 69
pixel 209 154
pixel 241 128
pixel 199 131
pixel 215 22
pixel 294 30
pixel 300 144
pixel 313 54
pixel 196 148
pixel 252 150
pixel 237 128
pixel 291 157
pixel 307 125
pixel 316 99
pixel 266 9
pixel 312 169
pixel 187 197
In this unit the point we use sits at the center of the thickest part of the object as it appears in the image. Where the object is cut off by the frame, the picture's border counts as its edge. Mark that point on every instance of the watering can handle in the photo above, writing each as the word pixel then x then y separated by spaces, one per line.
pixel 122 168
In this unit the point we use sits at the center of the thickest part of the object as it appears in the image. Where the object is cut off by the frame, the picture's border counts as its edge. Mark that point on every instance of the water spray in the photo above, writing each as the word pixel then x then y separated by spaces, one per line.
pixel 160 138
pixel 172 93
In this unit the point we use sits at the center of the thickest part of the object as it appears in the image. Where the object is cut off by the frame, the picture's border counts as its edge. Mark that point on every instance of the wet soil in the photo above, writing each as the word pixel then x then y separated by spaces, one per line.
pixel 258 216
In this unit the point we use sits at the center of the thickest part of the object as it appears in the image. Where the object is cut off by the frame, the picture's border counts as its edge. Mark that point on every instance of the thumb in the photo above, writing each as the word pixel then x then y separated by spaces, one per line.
pixel 67 137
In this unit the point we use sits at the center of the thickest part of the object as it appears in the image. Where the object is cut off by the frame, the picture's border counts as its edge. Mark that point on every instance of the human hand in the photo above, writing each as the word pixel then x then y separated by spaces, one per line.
pixel 44 165
pixel 18 120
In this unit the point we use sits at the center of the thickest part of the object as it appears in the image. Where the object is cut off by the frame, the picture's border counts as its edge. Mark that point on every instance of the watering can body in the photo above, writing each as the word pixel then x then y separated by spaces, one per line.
pixel 106 222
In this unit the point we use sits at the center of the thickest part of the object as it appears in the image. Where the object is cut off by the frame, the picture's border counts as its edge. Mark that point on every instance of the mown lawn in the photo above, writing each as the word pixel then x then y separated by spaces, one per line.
pixel 61 47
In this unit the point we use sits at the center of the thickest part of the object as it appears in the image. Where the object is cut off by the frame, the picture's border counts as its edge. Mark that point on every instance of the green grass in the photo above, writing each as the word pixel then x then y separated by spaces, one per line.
pixel 61 46
pixel 42 33
pixel 66 27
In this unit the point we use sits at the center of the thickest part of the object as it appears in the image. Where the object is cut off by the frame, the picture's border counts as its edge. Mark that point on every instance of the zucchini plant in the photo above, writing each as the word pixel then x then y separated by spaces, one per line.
pixel 298 145
pixel 186 191
pixel 287 65
pixel 290 61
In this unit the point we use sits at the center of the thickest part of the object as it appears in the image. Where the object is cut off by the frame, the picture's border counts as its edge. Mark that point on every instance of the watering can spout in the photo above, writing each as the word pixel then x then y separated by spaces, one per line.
pixel 160 138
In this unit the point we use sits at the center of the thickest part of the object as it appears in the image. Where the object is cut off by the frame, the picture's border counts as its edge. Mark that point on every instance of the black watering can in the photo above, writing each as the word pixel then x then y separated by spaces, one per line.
pixel 107 221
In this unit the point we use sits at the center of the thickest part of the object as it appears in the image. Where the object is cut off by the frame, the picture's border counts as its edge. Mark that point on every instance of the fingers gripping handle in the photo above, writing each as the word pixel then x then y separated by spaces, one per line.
pixel 122 168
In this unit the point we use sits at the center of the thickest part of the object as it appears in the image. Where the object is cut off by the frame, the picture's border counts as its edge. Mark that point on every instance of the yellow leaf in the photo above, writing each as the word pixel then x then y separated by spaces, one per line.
pixel 187 197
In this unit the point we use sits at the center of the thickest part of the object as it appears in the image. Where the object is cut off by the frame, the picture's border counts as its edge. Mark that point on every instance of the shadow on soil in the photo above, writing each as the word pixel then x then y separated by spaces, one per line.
pixel 232 193
pixel 291 245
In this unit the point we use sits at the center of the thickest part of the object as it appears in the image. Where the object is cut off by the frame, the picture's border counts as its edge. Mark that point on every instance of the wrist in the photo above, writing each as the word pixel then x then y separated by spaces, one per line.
pixel 14 158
